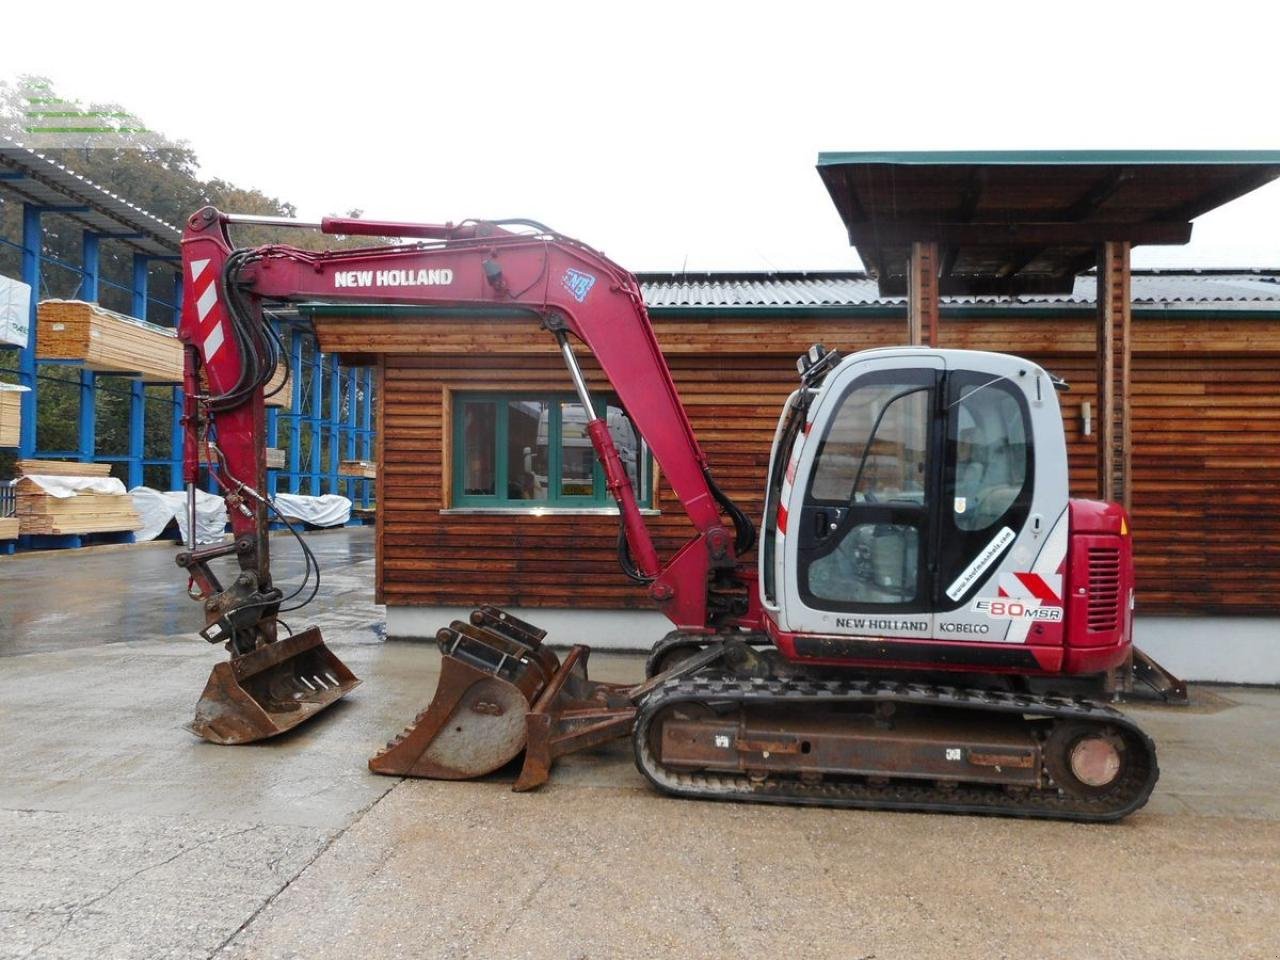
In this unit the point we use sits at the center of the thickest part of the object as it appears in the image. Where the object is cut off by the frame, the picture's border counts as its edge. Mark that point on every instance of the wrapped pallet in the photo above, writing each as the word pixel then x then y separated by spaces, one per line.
pixel 55 498
pixel 11 414
pixel 107 341
pixel 15 312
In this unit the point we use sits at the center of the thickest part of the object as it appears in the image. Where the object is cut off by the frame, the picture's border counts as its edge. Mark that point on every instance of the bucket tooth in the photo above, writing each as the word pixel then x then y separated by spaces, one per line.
pixel 265 692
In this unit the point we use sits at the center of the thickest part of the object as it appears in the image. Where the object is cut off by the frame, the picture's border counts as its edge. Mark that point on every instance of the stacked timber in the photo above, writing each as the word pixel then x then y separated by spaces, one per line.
pixel 359 469
pixel 39 512
pixel 107 341
pixel 272 394
pixel 10 415
pixel 275 458
pixel 8 528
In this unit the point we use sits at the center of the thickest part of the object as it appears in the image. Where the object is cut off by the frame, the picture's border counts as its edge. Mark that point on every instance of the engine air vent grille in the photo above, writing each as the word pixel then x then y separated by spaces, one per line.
pixel 1104 589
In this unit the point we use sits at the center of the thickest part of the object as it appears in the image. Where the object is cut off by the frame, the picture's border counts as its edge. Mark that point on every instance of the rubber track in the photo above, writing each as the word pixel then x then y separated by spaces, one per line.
pixel 920 795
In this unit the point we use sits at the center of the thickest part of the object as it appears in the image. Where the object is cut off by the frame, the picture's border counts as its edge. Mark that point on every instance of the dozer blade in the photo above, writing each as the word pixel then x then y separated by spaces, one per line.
pixel 270 690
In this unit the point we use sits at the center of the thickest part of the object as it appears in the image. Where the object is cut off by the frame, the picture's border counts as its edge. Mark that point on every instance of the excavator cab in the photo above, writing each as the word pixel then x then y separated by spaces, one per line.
pixel 918 513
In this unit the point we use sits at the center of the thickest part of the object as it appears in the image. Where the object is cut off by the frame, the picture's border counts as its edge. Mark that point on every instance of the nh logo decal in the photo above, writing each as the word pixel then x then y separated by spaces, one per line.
pixel 578 283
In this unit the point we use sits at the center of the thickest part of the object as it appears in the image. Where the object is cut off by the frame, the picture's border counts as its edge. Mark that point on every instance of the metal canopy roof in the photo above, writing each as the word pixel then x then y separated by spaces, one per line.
pixel 837 291
pixel 1026 221
pixel 34 178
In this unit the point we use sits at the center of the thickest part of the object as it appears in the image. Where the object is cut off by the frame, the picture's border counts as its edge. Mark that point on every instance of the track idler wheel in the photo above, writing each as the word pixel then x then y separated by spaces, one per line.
pixel 1089 761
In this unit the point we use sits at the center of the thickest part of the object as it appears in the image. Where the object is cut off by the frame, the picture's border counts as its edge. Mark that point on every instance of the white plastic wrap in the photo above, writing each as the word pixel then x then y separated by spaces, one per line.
pixel 211 515
pixel 15 312
pixel 154 511
pixel 64 487
pixel 330 510
pixel 157 508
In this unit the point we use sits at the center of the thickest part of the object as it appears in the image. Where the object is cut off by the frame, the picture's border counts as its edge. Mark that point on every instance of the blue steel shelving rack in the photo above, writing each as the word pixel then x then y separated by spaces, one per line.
pixel 342 431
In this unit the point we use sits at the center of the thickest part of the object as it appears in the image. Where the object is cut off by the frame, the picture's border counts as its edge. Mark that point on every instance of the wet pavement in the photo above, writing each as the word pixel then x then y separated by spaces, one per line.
pixel 125 837
pixel 60 599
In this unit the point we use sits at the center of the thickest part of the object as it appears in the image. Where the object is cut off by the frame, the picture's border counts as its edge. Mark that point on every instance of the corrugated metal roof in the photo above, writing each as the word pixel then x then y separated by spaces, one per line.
pixel 1157 288
pixel 36 179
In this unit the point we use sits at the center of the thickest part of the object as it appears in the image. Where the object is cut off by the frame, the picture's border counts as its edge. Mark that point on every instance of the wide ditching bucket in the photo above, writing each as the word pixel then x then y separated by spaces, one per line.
pixel 502 692
pixel 271 689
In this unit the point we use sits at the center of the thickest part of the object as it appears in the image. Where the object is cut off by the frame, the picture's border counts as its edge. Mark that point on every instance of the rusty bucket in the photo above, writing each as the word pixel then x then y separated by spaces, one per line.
pixel 492 670
pixel 502 692
pixel 270 690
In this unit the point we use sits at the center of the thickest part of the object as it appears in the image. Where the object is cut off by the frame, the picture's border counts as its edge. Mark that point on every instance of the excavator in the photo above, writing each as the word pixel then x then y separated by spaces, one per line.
pixel 924 601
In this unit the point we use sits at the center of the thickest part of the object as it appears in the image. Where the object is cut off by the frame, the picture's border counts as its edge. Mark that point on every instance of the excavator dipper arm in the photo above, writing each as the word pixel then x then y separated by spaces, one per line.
pixel 566 286
pixel 493 666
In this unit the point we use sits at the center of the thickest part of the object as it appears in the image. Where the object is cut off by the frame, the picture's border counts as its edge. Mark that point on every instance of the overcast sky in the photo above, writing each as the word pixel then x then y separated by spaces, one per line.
pixel 667 134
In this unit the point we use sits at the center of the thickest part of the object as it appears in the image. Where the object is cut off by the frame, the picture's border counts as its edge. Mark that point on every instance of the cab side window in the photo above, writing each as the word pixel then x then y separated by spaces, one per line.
pixel 988 473
pixel 990 441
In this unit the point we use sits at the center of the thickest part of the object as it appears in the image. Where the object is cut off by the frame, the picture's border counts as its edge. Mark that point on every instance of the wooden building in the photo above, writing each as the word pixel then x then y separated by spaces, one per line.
pixel 482 495
pixel 485 493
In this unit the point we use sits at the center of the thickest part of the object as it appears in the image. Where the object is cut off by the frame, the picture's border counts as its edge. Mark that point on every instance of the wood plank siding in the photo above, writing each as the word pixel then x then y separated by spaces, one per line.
pixel 1206 458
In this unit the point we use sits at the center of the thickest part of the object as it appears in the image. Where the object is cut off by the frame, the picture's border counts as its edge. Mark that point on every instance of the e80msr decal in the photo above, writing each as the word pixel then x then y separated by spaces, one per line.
pixel 1007 608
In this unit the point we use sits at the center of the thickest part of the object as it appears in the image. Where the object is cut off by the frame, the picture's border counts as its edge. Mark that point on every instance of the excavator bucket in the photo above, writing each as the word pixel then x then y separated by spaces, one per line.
pixel 491 672
pixel 502 692
pixel 270 690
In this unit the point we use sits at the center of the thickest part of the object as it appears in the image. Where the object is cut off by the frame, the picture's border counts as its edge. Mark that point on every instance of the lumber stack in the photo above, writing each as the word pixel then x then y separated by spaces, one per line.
pixel 361 469
pixel 8 528
pixel 40 513
pixel 275 458
pixel 10 416
pixel 284 398
pixel 107 341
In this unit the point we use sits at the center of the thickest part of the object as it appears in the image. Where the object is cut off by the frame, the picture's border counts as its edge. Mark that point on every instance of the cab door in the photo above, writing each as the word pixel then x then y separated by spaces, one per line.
pixel 930 502
pixel 860 528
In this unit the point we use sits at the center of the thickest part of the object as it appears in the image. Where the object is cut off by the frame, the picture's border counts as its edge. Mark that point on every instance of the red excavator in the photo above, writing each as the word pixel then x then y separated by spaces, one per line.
pixel 924 596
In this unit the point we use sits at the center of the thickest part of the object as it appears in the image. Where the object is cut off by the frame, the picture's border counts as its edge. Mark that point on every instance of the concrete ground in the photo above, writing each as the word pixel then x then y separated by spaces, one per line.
pixel 125 837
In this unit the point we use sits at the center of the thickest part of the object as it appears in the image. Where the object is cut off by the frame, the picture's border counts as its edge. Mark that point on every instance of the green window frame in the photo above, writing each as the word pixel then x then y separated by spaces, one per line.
pixel 506 476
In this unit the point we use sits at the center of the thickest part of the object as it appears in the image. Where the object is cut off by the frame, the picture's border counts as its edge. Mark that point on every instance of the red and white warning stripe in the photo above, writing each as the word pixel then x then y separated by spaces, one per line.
pixel 788 480
pixel 1045 587
pixel 211 333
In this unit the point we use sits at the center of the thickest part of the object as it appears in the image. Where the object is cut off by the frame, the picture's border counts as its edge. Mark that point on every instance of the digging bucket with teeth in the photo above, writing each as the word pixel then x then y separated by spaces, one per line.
pixel 501 691
pixel 271 689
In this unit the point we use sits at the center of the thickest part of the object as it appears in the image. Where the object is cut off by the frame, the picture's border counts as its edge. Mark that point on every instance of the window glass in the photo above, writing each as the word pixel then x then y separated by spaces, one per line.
pixel 577 456
pixel 990 441
pixel 626 438
pixel 527 425
pixel 878 441
pixel 515 450
pixel 479 432
pixel 873 563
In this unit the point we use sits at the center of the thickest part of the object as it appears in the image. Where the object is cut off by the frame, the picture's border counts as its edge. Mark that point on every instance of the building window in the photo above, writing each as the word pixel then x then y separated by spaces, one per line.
pixel 532 450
